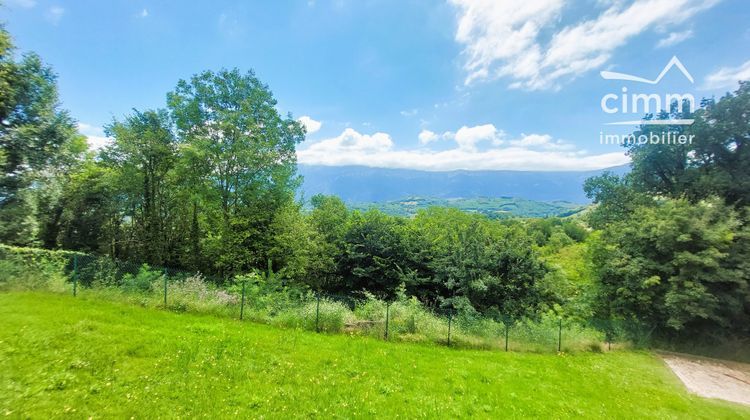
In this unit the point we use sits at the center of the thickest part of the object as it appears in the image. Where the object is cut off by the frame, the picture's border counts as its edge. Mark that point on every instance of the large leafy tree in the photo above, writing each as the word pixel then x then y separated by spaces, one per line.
pixel 143 155
pixel 244 153
pixel 471 259
pixel 680 269
pixel 715 162
pixel 37 141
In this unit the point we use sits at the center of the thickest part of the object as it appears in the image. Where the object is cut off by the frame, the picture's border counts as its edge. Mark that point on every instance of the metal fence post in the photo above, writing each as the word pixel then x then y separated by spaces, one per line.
pixel 317 313
pixel 506 335
pixel 387 315
pixel 559 336
pixel 242 301
pixel 75 274
pixel 165 287
pixel 450 318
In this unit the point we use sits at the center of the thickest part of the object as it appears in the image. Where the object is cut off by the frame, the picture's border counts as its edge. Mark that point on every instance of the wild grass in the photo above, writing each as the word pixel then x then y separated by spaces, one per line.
pixel 268 301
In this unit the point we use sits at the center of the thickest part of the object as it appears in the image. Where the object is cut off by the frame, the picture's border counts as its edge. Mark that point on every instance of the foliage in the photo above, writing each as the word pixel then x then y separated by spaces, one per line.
pixel 681 269
pixel 673 253
pixel 38 144
pixel 714 164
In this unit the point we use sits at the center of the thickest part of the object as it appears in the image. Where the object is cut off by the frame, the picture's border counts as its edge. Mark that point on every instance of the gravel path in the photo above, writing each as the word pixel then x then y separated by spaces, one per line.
pixel 712 378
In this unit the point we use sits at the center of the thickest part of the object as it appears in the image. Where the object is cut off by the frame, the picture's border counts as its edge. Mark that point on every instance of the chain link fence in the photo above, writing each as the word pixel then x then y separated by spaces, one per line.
pixel 262 297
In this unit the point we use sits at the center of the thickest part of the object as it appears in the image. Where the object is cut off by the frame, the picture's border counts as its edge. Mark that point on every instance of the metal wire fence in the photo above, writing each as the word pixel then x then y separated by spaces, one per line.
pixel 266 299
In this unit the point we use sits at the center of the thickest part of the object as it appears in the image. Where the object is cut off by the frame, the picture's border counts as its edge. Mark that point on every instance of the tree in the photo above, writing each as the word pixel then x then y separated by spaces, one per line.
pixel 453 256
pixel 36 138
pixel 679 268
pixel 615 199
pixel 715 162
pixel 330 219
pixel 373 252
pixel 143 154
pixel 244 153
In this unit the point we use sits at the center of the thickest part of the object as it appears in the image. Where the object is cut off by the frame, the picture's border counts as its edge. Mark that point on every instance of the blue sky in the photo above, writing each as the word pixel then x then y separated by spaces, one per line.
pixel 434 85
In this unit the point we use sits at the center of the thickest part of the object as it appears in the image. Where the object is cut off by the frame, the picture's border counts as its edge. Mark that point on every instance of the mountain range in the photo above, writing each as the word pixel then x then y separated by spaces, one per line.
pixel 361 184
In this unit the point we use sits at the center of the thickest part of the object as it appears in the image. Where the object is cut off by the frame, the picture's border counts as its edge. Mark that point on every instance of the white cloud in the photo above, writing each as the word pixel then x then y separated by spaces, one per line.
pixel 54 14
pixel 542 141
pixel 674 38
pixel 310 124
pixel 468 137
pixel 351 141
pixel 530 152
pixel 427 136
pixel 506 40
pixel 727 77
pixel 94 136
pixel 410 112
pixel 143 13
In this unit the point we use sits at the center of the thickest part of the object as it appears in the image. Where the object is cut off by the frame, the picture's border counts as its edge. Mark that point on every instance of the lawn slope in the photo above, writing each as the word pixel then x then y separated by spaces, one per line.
pixel 60 354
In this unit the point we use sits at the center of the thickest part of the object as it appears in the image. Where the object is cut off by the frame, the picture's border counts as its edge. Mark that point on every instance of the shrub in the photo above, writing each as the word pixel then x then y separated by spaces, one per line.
pixel 32 269
pixel 143 282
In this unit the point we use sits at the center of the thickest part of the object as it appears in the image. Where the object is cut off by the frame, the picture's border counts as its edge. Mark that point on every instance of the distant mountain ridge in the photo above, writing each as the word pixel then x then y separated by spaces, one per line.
pixel 361 184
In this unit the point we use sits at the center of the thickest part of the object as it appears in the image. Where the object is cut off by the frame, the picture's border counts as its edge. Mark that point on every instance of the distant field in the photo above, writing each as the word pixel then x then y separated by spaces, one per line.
pixel 65 355
pixel 492 207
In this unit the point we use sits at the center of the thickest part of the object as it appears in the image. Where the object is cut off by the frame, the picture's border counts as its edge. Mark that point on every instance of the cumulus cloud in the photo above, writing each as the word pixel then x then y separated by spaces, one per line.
pixel 310 124
pixel 529 152
pixel 143 13
pixel 94 136
pixel 674 38
pixel 427 136
pixel 468 137
pixel 727 77
pixel 506 40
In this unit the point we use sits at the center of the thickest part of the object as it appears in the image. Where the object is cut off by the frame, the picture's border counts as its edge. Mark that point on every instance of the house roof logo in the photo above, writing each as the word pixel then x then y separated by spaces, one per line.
pixel 674 62
pixel 610 75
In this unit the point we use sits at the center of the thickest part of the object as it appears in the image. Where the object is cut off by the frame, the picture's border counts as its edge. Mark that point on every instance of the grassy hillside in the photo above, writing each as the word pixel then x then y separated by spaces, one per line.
pixel 492 207
pixel 65 355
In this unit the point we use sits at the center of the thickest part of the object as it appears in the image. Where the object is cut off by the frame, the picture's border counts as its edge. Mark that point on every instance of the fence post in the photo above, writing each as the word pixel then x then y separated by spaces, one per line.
pixel 387 315
pixel 242 301
pixel 165 287
pixel 317 313
pixel 450 318
pixel 559 336
pixel 75 274
pixel 506 335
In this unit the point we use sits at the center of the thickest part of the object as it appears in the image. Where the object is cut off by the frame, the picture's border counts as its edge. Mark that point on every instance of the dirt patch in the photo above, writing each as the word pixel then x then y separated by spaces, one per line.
pixel 712 378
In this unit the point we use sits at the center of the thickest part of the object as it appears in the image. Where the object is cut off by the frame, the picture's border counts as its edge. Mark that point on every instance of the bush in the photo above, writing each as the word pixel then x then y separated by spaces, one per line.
pixel 32 269
pixel 144 281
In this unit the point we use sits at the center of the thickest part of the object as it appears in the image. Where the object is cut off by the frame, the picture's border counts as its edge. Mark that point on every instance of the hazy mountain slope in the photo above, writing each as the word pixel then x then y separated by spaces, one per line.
pixel 360 184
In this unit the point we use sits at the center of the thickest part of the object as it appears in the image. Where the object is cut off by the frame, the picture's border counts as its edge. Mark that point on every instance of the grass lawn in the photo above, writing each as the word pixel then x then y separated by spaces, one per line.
pixel 63 355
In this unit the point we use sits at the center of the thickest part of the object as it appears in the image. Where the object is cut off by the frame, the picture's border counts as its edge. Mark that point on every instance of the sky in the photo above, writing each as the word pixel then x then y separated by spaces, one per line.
pixel 431 85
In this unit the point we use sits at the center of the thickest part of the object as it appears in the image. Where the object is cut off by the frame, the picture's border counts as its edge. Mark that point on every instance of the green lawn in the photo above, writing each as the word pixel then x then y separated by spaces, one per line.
pixel 60 354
